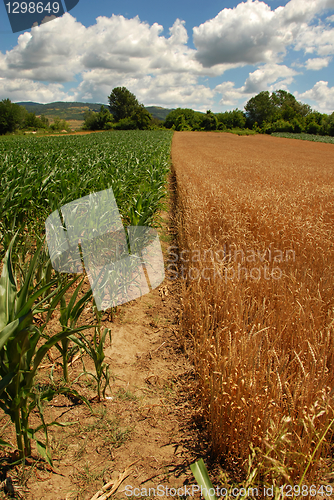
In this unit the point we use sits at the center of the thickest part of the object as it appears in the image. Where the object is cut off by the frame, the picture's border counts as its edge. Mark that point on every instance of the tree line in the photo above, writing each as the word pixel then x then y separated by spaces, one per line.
pixel 264 113
pixel 14 117
pixel 124 113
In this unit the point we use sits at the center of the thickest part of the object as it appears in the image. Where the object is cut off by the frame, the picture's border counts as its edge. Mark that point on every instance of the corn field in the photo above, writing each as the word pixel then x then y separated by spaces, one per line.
pixel 39 176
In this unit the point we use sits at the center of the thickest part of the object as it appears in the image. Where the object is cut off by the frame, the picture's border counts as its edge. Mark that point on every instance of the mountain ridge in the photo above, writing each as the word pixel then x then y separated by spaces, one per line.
pixel 75 110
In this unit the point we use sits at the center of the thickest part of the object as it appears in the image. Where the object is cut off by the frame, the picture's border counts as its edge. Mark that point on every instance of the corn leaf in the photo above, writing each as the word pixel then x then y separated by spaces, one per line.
pixel 201 475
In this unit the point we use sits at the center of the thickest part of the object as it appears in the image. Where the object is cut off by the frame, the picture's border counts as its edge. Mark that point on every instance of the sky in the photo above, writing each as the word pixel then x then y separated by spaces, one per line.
pixel 198 54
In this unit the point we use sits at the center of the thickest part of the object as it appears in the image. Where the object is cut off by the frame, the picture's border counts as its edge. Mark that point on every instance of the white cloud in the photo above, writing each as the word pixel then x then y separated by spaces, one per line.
pixel 317 63
pixel 238 35
pixel 230 95
pixel 27 90
pixel 316 40
pixel 252 33
pixel 269 77
pixel 322 95
pixel 113 52
pixel 49 53
pixel 168 90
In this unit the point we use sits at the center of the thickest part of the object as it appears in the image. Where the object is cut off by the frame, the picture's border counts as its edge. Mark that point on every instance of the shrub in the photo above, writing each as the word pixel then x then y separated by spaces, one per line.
pixel 59 125
pixel 311 128
pixel 231 119
pixel 209 121
pixel 103 120
pixel 126 124
pixel 181 124
pixel 297 126
pixel 191 118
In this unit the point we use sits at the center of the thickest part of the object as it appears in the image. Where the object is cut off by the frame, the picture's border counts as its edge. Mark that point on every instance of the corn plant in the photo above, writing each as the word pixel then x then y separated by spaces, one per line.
pixel 201 475
pixel 69 315
pixel 95 349
pixel 20 352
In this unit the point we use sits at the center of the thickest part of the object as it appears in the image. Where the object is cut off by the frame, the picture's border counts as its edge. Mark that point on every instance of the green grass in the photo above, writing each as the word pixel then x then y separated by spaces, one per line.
pixel 305 137
pixel 241 131
pixel 238 131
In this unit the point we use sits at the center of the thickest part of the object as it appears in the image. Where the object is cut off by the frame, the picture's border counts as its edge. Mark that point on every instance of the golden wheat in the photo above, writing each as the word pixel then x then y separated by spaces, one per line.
pixel 256 250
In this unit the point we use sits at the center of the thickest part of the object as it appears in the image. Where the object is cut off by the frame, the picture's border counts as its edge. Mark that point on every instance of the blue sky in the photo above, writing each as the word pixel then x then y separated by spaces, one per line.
pixel 202 55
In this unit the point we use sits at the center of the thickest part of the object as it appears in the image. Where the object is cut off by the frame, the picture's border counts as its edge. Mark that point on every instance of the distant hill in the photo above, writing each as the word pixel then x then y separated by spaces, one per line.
pixel 76 110
pixel 158 112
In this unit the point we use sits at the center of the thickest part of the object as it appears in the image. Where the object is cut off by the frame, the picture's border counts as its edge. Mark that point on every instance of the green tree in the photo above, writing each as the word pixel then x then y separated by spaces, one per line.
pixel 231 119
pixel 44 121
pixel 266 109
pixel 122 103
pixel 142 118
pixel 103 120
pixel 287 105
pixel 260 108
pixel 90 120
pixel 191 118
pixel 31 121
pixel 328 125
pixel 209 121
pixel 11 116
pixel 126 124
pixel 181 124
pixel 127 111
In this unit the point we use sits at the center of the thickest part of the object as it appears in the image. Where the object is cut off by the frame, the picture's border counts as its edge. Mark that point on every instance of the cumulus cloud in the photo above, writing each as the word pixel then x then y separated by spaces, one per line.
pixel 252 33
pixel 21 89
pixel 241 35
pixel 230 95
pixel 317 63
pixel 322 95
pixel 316 40
pixel 114 51
pixel 269 77
pixel 49 53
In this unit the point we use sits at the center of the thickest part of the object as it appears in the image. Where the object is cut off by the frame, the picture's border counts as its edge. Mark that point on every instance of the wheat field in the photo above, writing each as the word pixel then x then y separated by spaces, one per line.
pixel 256 260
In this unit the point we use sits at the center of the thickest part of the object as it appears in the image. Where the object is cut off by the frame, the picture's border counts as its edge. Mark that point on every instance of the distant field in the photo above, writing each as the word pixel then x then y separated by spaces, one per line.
pixel 305 137
pixel 75 124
